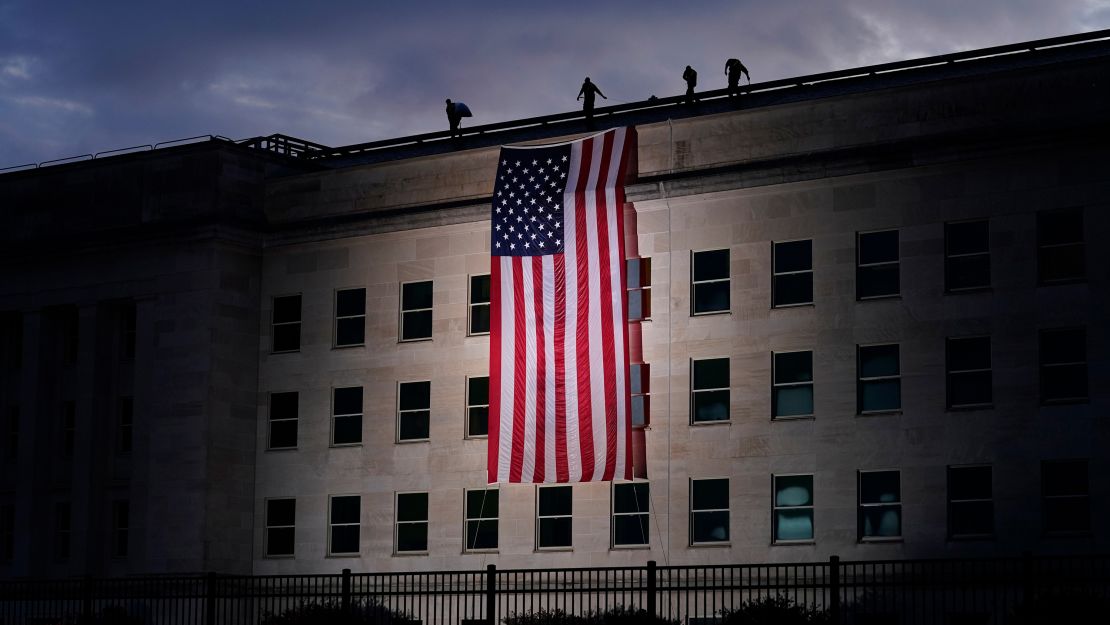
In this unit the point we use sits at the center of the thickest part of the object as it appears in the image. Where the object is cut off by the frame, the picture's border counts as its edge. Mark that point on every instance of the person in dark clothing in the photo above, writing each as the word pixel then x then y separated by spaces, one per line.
pixel 453 117
pixel 587 91
pixel 691 78
pixel 734 68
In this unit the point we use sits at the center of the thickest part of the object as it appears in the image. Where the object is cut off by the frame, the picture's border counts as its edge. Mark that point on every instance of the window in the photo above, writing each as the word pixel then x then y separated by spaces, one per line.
pixel 553 517
pixel 127 327
pixel 12 428
pixel 283 420
pixel 416 310
pixel 343 524
pixel 710 286
pixel 481 519
pixel 69 428
pixel 970 502
pixel 877 264
pixel 61 530
pixel 125 418
pixel 880 505
pixel 350 317
pixel 477 407
pixel 479 305
pixel 11 341
pixel 967 256
pixel 968 369
pixel 630 514
pixel 346 409
pixel 792 274
pixel 414 403
pixel 1066 496
pixel 286 332
pixel 639 377
pixel 7 532
pixel 793 509
pixel 792 385
pixel 412 523
pixel 281 515
pixel 121 524
pixel 709 511
pixel 710 390
pixel 1063 354
pixel 1061 252
pixel 69 333
pixel 879 386
pixel 638 279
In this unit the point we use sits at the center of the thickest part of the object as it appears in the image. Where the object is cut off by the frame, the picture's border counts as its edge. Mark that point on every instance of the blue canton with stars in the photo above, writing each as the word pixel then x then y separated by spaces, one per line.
pixel 528 201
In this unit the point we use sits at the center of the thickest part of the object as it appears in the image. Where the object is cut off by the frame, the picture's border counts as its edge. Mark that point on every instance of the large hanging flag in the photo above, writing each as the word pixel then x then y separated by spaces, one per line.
pixel 559 392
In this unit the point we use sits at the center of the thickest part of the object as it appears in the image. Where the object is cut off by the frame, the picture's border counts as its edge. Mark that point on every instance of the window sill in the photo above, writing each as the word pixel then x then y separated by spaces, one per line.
pixel 1068 534
pixel 1062 281
pixel 284 448
pixel 554 549
pixel 877 298
pixel 478 551
pixel 419 340
pixel 478 334
pixel 279 557
pixel 970 407
pixel 1071 401
pixel 285 351
pixel 968 538
pixel 343 555
pixel 794 543
pixel 352 345
pixel 878 540
pixel 476 437
pixel 971 290
pixel 721 545
pixel 798 305
pixel 710 313
pixel 699 424
pixel 408 441
pixel 801 417
pixel 342 445
pixel 407 554
pixel 879 413
pixel 630 548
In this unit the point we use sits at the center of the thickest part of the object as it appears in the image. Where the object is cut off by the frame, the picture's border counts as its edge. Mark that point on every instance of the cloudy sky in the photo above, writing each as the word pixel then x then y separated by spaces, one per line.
pixel 89 76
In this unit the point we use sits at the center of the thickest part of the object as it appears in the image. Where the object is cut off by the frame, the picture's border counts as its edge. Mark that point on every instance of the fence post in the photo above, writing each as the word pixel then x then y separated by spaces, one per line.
pixel 345 598
pixel 491 594
pixel 651 588
pixel 210 598
pixel 834 588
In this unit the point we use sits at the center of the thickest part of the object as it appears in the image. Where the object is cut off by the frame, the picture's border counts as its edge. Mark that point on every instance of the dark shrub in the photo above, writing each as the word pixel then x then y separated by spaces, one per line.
pixel 777 610
pixel 1073 607
pixel 619 615
pixel 331 613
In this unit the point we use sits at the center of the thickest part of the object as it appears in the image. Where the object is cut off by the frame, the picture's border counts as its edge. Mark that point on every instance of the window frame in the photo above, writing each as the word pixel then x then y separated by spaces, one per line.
pixel 1046 498
pixel 1042 366
pixel 334 416
pixel 268 525
pixel 1042 247
pixel 775 274
pixel 860 506
pixel 479 519
pixel 775 540
pixel 336 318
pixel 63 531
pixel 695 283
pixel 948 256
pixel 692 512
pixel 467 434
pixel 540 518
pixel 949 373
pixel 613 514
pixel 643 279
pixel 951 502
pixel 775 385
pixel 397 522
pixel 860 266
pixel 121 529
pixel 270 421
pixel 68 425
pixel 275 324
pixel 471 305
pixel 400 414
pixel 693 391
pixel 331 553
pixel 125 425
pixel 401 315
pixel 644 396
pixel 861 380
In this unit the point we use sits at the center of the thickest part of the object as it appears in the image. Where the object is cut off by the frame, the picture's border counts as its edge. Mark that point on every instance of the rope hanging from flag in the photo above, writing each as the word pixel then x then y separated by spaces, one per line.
pixel 559 388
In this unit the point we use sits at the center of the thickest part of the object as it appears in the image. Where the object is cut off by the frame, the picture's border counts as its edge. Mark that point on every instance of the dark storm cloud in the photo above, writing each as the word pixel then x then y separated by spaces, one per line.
pixel 80 77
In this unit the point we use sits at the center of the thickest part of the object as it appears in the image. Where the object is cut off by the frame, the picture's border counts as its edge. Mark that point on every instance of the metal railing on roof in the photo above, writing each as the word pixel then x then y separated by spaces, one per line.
pixel 116 152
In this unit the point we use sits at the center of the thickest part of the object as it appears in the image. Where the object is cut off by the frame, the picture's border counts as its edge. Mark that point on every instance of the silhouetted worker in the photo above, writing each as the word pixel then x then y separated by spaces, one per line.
pixel 733 67
pixel 691 78
pixel 453 117
pixel 588 90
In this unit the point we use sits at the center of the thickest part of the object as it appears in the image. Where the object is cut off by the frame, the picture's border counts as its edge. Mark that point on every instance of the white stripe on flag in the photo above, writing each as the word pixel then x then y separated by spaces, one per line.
pixel 570 343
pixel 531 370
pixel 549 372
pixel 508 367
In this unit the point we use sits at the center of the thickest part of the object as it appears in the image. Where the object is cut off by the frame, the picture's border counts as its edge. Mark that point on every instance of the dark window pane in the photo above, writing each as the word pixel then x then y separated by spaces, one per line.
pixel 969 483
pixel 412 537
pixel 711 297
pixel 1059 227
pixel 417 325
pixel 283 405
pixel 709 494
pixel 414 425
pixel 879 487
pixel 636 377
pixel 555 500
pixel 881 521
pixel 632 273
pixel 412 507
pixel 1065 478
pixel 793 256
pixel 640 409
pixel 479 289
pixel 878 247
pixel 792 401
pixel 481 534
pixel 877 281
pixel 479 319
pixel 348 430
pixel 344 539
pixel 794 490
pixel 479 390
pixel 793 367
pixel 287 309
pixel 348 400
pixel 878 360
pixel 1058 264
pixel 350 331
pixel 712 265
pixel 970 353
pixel 1064 383
pixel 794 524
pixel 711 373
pixel 1068 514
pixel 287 338
pixel 1064 345
pixel 969 237
pixel 967 272
pixel 972 517
pixel 710 527
pixel 481 503
pixel 967 389
pixel 635 305
pixel 281 511
pixel 478 421
pixel 283 433
pixel 415 395
pixel 793 289
pixel 350 302
pixel 416 295
pixel 880 395
pixel 630 498
pixel 345 509
pixel 711 406
pixel 555 532
pixel 279 541
pixel 630 529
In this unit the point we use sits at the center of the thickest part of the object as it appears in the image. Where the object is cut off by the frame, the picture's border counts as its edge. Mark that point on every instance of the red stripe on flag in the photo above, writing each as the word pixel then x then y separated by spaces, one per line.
pixel 494 427
pixel 541 366
pixel 603 260
pixel 520 369
pixel 582 340
pixel 562 474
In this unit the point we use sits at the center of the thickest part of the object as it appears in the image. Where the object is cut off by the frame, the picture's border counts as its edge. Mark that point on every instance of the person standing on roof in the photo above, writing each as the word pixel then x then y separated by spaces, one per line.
pixel 734 68
pixel 588 90
pixel 453 117
pixel 691 78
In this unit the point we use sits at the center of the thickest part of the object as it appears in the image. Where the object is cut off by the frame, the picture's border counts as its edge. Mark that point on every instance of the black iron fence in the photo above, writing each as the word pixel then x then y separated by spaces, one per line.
pixel 904 592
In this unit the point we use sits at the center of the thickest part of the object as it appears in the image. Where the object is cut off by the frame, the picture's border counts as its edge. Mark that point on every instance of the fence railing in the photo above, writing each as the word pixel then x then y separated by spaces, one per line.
pixel 997 590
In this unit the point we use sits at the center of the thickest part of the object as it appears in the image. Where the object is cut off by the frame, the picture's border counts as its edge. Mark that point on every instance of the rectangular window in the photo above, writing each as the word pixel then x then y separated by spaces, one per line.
pixel 125 424
pixel 968 370
pixel 7 532
pixel 709 511
pixel 880 505
pixel 877 266
pixel 793 508
pixel 879 383
pixel 967 256
pixel 127 329
pixel 554 521
pixel 121 526
pixel 477 407
pixel 350 317
pixel 709 397
pixel 412 523
pixel 630 514
pixel 1066 494
pixel 281 516
pixel 284 411
pixel 1061 251
pixel 11 341
pixel 12 431
pixel 416 310
pixel 710 286
pixel 1063 356
pixel 343 524
pixel 346 409
pixel 792 274
pixel 69 428
pixel 639 377
pixel 638 279
pixel 414 410
pixel 61 530
pixel 286 330
pixel 792 385
pixel 970 502
pixel 479 305
pixel 481 519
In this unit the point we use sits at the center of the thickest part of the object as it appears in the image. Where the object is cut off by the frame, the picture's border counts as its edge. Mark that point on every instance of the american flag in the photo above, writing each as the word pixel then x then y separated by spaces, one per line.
pixel 559 393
